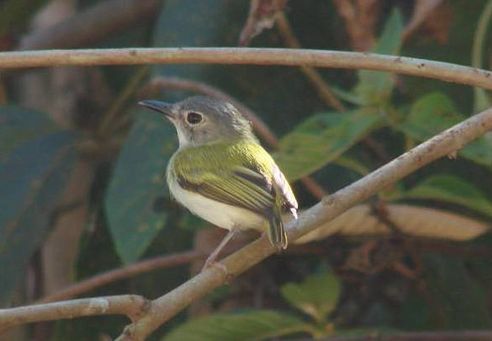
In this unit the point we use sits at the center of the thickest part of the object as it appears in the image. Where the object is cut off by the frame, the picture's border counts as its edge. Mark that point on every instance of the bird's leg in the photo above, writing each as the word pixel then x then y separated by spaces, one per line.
pixel 213 256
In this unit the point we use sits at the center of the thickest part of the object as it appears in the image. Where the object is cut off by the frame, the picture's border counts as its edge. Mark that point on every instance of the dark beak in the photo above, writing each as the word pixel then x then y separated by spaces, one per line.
pixel 162 107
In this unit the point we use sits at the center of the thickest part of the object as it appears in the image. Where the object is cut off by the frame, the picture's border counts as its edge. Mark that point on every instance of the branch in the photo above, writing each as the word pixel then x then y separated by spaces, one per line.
pixel 258 56
pixel 260 127
pixel 133 306
pixel 319 84
pixel 92 24
pixel 165 307
pixel 122 273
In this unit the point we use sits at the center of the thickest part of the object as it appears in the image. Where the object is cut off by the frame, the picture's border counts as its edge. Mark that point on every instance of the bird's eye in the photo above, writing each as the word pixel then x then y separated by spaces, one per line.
pixel 194 118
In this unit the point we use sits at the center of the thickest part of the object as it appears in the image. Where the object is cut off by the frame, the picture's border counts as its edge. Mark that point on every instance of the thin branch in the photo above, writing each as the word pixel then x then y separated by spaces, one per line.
pixel 92 25
pixel 167 306
pixel 133 306
pixel 123 273
pixel 107 125
pixel 258 56
pixel 259 125
pixel 322 88
pixel 311 73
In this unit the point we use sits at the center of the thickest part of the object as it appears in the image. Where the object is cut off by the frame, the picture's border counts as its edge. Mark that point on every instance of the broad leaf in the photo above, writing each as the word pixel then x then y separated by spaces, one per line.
pixel 316 296
pixel 139 176
pixel 479 151
pixel 430 115
pixel 415 221
pixel 434 113
pixel 252 325
pixel 321 139
pixel 32 180
pixel 137 182
pixel 376 87
pixel 18 125
pixel 451 189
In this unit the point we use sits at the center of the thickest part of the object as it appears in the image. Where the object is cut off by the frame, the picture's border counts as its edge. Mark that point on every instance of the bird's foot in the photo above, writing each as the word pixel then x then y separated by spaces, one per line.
pixel 209 263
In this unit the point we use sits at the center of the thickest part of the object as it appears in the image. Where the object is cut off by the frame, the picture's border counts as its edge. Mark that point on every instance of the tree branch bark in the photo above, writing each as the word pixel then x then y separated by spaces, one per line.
pixel 258 56
pixel 165 307
pixel 133 306
pixel 122 273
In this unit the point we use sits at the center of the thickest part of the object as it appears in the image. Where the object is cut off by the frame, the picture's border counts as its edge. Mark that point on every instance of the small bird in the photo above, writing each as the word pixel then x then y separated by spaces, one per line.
pixel 222 174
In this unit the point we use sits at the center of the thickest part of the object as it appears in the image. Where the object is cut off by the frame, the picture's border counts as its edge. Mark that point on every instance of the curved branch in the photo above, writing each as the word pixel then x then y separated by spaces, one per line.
pixel 122 273
pixel 313 76
pixel 258 56
pixel 133 306
pixel 165 307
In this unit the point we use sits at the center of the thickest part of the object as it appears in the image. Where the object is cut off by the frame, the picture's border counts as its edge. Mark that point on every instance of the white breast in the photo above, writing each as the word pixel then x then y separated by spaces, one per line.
pixel 217 213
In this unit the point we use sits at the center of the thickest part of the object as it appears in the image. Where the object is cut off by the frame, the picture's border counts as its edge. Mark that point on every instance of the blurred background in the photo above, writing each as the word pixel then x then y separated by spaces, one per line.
pixel 82 186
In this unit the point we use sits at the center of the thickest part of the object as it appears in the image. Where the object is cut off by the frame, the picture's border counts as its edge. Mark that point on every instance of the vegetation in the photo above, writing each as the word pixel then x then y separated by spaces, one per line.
pixel 85 212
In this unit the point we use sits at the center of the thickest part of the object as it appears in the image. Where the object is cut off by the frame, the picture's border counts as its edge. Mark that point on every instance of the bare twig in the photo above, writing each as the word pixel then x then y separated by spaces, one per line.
pixel 360 21
pixel 312 74
pixel 133 306
pixel 262 15
pixel 110 123
pixel 421 12
pixel 258 56
pixel 92 24
pixel 168 305
pixel 122 273
pixel 260 127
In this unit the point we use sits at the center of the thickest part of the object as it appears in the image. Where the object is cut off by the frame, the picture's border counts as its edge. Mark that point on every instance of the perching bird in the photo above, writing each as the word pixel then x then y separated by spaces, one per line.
pixel 222 174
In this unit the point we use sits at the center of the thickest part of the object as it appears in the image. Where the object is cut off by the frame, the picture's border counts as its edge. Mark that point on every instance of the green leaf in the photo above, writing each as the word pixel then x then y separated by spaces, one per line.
pixel 316 296
pixel 458 301
pixel 18 125
pixel 251 325
pixel 321 139
pixel 479 151
pixel 434 113
pixel 32 180
pixel 430 115
pixel 209 23
pixel 451 189
pixel 138 181
pixel 376 87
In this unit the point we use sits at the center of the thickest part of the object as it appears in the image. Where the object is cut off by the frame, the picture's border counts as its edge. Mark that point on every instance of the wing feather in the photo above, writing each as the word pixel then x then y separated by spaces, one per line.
pixel 233 190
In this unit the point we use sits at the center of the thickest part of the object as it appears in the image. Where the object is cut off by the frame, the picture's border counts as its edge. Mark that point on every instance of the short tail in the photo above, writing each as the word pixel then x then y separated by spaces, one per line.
pixel 276 231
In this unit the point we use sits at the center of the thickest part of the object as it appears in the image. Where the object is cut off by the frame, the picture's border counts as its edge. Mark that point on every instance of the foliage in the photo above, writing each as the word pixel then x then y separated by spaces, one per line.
pixel 316 296
pixel 392 282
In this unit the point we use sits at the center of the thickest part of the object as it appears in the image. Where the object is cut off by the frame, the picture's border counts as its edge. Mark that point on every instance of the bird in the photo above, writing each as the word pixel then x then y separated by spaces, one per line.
pixel 221 173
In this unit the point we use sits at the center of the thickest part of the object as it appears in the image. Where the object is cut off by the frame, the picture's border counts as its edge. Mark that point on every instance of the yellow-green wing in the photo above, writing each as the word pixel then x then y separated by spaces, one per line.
pixel 241 187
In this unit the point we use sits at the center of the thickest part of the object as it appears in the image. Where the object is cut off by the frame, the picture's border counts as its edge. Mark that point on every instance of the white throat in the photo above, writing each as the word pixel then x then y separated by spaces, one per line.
pixel 182 139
